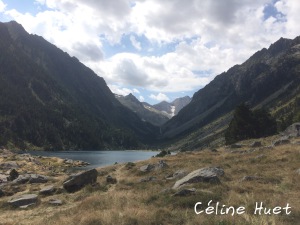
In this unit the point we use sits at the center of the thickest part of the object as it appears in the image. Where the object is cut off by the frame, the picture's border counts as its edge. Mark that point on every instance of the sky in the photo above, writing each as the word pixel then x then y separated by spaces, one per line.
pixel 157 50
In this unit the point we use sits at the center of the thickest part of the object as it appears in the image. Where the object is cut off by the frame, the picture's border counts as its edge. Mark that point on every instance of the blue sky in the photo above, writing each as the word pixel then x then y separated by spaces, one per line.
pixel 157 50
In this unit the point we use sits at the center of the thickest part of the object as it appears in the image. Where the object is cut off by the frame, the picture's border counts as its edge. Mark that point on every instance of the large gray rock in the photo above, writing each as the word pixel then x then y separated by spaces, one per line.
pixel 9 165
pixel 208 175
pixel 147 168
pixel 293 130
pixel 31 178
pixel 150 167
pixel 77 181
pixel 24 200
pixel 48 190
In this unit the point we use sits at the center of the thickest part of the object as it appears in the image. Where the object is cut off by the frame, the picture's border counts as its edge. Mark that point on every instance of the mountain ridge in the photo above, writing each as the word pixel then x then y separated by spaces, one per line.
pixel 264 80
pixel 73 107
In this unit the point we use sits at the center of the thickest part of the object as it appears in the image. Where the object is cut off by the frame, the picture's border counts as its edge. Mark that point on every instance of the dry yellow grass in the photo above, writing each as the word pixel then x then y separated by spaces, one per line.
pixel 132 202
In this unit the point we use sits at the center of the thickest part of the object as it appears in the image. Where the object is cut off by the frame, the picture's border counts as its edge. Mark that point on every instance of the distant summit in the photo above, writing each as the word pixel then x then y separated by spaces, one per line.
pixel 157 114
pixel 174 107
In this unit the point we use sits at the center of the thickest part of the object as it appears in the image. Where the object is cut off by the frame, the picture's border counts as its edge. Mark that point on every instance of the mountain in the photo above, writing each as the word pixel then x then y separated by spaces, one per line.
pixel 269 79
pixel 174 107
pixel 49 100
pixel 145 111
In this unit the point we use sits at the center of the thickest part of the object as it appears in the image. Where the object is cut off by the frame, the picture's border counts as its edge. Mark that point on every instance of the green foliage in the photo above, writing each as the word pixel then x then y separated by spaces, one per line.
pixel 249 124
pixel 163 153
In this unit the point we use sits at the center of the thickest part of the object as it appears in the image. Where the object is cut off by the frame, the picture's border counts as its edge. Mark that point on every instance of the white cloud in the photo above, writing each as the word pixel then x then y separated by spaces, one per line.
pixel 208 37
pixel 2 6
pixel 141 98
pixel 136 91
pixel 119 90
pixel 135 43
pixel 160 97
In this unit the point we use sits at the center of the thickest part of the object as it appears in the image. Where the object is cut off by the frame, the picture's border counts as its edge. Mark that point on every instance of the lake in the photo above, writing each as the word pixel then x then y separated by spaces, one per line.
pixel 99 158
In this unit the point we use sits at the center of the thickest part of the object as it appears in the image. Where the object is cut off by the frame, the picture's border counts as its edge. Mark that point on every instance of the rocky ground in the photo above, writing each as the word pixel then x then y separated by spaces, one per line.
pixel 42 190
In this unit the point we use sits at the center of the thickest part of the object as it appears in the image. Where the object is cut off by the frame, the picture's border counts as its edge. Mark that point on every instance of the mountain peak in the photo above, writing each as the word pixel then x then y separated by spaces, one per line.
pixel 15 29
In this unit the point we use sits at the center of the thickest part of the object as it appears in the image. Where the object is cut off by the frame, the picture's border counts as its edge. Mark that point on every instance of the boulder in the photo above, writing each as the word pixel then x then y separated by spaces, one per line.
pixel 111 180
pixel 147 168
pixel 36 178
pixel 3 178
pixel 77 181
pixel 161 165
pixel 208 175
pixel 24 200
pixel 292 131
pixel 9 165
pixel 13 174
pixel 150 167
pixel 31 178
pixel 48 190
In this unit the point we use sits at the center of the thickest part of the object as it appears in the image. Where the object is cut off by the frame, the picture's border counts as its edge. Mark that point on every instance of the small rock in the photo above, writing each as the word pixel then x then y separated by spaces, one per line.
pixel 24 200
pixel 251 178
pixel 177 175
pixel 281 141
pixel 111 180
pixel 256 144
pixel 48 190
pixel 185 192
pixel 161 165
pixel 298 171
pixel 148 179
pixel 236 146
pixel 55 202
pixel 1 193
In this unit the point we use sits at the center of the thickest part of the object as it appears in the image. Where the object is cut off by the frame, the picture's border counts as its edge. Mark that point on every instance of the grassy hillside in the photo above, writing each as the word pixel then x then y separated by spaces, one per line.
pixel 252 174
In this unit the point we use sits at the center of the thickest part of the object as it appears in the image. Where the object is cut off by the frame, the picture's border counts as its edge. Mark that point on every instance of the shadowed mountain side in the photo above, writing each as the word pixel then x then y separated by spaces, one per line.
pixel 269 79
pixel 50 100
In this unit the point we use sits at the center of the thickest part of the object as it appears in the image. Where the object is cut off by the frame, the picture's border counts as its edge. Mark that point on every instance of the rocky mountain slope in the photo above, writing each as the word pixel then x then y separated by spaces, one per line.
pixel 156 114
pixel 173 108
pixel 269 79
pixel 145 111
pixel 50 100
